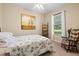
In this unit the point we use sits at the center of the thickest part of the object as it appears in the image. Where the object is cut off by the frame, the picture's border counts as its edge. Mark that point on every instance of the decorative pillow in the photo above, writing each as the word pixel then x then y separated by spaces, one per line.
pixel 2 41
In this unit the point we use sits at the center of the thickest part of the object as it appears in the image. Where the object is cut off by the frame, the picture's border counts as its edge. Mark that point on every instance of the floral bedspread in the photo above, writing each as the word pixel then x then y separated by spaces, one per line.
pixel 30 45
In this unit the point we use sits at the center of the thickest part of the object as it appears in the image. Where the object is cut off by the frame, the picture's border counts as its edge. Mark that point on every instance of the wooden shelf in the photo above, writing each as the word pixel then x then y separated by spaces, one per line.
pixel 45 30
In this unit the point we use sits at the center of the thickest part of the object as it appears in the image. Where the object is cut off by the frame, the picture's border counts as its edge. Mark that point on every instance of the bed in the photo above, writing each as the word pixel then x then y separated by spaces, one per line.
pixel 28 45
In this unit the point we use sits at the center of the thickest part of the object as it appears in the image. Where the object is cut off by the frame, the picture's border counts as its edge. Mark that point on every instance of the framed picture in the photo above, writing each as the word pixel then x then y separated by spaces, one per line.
pixel 28 22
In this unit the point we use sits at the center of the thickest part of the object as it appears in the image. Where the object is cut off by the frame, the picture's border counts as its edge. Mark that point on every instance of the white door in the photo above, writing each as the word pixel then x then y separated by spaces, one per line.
pixel 58 26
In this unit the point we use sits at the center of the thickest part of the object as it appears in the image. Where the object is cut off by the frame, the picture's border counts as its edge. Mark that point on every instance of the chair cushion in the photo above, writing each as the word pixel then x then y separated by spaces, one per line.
pixel 74 35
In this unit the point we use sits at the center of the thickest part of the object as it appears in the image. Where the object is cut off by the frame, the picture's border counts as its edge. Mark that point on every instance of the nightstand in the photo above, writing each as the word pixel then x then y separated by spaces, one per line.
pixel 45 30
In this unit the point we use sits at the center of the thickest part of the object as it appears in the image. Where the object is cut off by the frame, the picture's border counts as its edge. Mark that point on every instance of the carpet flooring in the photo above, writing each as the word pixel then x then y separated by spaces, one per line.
pixel 59 51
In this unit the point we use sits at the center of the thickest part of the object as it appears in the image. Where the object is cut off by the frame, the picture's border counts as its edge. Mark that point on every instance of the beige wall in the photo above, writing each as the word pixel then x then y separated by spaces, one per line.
pixel 71 14
pixel 0 15
pixel 12 20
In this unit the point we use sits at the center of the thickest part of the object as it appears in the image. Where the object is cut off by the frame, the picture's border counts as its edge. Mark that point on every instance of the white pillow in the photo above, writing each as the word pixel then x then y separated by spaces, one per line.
pixel 7 34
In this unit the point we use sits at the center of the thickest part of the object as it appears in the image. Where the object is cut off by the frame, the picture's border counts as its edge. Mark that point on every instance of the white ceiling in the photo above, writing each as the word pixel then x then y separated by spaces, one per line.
pixel 47 7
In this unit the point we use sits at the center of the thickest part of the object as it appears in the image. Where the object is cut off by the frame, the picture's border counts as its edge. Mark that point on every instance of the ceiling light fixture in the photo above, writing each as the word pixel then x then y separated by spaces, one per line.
pixel 39 6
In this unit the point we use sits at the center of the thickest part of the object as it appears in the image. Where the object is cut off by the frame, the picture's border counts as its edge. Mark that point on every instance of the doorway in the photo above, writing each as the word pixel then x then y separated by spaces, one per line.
pixel 58 26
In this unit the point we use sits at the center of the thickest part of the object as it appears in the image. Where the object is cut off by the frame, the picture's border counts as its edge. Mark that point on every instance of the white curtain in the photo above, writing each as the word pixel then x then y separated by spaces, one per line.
pixel 63 24
pixel 52 26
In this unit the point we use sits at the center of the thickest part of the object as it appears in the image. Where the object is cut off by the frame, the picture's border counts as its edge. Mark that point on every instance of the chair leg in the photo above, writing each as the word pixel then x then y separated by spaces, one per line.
pixel 67 49
pixel 76 50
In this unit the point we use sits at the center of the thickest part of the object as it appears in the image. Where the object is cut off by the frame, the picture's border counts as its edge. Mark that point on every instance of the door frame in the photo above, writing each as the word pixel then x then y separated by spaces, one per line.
pixel 63 21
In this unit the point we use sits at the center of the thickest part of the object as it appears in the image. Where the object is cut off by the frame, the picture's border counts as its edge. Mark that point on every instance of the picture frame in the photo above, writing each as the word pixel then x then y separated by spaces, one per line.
pixel 28 22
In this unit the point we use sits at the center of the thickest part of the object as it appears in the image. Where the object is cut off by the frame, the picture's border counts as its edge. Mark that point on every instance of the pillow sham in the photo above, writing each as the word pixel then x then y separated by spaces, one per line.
pixel 2 41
